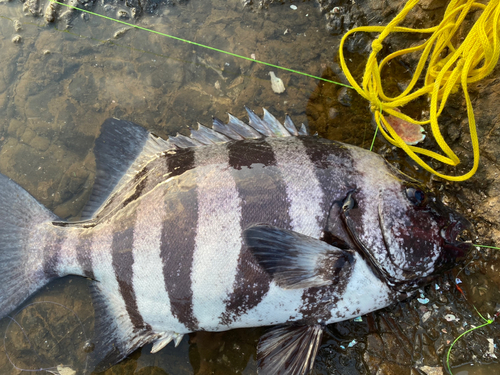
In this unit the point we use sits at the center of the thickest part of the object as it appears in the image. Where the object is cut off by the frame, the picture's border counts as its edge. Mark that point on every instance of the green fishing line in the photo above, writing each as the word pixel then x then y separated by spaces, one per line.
pixel 488 247
pixel 203 45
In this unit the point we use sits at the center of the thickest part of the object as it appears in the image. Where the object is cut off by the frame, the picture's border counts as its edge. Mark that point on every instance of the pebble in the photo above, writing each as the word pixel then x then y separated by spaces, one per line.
pixel 294 7
pixel 17 39
pixel 344 97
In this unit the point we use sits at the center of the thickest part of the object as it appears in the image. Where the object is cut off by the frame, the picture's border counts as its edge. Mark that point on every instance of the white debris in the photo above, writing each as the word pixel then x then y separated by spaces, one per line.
pixel 491 347
pixel 426 316
pixel 352 343
pixel 423 301
pixel 451 318
pixel 276 84
pixel 294 7
pixel 63 370
pixel 358 319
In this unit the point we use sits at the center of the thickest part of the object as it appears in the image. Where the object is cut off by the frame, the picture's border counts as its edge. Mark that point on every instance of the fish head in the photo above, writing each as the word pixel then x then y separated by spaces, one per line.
pixel 407 234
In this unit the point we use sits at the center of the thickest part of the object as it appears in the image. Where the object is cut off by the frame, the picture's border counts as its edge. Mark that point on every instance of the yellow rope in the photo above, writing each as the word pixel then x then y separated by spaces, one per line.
pixel 449 68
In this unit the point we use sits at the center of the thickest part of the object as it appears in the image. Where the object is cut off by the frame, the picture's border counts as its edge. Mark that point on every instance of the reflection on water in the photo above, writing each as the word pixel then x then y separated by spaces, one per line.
pixel 58 86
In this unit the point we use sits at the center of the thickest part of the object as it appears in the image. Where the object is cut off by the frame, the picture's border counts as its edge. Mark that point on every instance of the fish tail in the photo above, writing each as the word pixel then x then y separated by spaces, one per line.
pixel 23 233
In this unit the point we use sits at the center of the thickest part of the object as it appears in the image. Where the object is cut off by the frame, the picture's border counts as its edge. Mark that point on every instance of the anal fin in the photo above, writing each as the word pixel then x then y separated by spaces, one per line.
pixel 165 339
pixel 289 350
pixel 115 336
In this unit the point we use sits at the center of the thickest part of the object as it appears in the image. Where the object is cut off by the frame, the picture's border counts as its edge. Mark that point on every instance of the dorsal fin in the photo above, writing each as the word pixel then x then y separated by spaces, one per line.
pixel 123 148
pixel 120 150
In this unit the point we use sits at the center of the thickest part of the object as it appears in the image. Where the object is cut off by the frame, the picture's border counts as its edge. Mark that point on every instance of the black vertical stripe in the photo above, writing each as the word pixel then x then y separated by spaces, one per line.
pixel 333 165
pixel 249 153
pixel 320 151
pixel 178 240
pixel 123 259
pixel 264 200
pixel 180 161
pixel 51 255
pixel 177 248
pixel 83 255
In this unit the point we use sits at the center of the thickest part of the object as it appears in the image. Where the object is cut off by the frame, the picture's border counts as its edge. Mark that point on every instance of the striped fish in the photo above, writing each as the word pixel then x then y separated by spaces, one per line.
pixel 241 225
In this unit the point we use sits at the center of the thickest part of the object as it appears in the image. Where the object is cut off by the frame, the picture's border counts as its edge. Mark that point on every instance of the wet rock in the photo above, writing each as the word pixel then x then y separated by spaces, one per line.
pixel 16 39
pixel 432 4
pixel 40 143
pixel 344 96
pixel 16 128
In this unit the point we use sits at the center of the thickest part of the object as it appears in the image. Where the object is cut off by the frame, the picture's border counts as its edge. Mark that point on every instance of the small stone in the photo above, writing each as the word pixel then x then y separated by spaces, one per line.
pixel 16 39
pixel 344 97
pixel 332 113
pixel 294 7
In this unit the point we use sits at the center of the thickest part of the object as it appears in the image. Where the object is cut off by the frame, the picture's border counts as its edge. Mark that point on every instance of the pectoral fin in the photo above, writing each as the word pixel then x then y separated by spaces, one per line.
pixel 297 261
pixel 289 350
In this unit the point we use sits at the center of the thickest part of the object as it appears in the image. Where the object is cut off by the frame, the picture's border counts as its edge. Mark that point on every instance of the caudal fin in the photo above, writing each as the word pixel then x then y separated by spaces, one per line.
pixel 21 244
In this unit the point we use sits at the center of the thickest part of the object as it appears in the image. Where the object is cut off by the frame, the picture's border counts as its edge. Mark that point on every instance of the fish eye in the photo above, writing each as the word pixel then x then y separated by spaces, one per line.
pixel 416 196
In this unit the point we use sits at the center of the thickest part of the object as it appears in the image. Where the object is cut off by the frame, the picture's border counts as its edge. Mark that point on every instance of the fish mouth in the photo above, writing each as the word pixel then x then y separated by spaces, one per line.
pixel 457 238
pixel 457 232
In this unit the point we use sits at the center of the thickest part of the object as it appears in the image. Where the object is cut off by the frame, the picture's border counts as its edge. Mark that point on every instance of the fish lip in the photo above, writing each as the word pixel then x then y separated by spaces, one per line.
pixel 455 249
pixel 452 231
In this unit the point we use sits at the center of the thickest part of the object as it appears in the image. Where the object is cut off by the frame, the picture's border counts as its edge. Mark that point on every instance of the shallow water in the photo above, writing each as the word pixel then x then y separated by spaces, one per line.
pixel 57 86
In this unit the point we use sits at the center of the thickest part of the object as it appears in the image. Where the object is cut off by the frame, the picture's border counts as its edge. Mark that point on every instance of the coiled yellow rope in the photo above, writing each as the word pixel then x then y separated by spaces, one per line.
pixel 473 60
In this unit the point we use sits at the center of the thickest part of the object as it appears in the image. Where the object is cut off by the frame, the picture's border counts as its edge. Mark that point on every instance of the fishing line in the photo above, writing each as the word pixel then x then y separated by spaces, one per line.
pixel 487 321
pixel 52 370
pixel 203 45
pixel 487 247
pixel 466 63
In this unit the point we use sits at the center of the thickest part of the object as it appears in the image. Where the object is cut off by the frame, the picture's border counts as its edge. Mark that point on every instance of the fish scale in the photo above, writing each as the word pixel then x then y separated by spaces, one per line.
pixel 239 226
